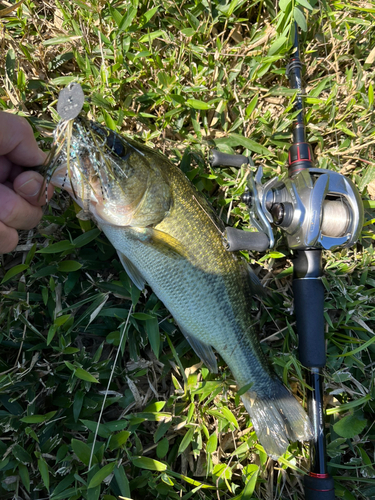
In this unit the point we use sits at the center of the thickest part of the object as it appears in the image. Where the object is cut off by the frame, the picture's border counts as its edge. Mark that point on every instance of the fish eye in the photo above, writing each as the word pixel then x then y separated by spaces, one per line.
pixel 115 143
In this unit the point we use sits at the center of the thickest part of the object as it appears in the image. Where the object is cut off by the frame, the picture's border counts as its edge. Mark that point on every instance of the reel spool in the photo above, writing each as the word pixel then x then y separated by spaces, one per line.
pixel 335 218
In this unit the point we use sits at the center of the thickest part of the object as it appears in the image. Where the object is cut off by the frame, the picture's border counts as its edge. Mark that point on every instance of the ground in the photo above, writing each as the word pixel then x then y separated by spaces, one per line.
pixel 183 78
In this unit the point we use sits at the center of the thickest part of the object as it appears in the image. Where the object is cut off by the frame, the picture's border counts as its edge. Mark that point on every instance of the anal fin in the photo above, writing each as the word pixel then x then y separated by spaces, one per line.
pixel 256 286
pixel 203 351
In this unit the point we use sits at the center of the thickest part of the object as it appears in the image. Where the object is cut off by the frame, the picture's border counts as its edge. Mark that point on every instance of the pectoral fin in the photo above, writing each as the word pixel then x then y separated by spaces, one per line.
pixel 203 351
pixel 161 241
pixel 132 271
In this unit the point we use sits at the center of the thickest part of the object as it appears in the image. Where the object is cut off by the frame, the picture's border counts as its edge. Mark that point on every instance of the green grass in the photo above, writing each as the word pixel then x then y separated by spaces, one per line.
pixel 183 77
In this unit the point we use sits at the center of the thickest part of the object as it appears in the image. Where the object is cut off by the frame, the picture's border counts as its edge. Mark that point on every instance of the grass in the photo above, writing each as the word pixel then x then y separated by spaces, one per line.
pixel 182 77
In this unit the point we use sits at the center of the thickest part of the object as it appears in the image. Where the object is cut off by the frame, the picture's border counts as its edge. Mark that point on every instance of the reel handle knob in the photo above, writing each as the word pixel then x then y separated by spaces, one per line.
pixel 217 158
pixel 238 239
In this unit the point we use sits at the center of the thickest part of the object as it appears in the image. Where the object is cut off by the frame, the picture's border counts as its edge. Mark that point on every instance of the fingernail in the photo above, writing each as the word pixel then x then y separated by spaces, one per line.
pixel 30 188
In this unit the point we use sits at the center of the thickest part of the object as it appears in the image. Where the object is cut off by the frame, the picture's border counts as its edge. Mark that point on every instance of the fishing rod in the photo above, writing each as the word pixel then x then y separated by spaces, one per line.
pixel 318 210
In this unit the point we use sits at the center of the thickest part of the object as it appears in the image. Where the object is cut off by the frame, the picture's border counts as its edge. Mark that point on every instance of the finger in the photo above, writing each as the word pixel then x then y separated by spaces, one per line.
pixel 5 168
pixel 17 141
pixel 30 185
pixel 16 212
pixel 8 171
pixel 8 238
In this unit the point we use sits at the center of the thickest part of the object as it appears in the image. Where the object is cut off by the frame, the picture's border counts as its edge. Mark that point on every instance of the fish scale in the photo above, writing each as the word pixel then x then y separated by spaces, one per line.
pixel 167 235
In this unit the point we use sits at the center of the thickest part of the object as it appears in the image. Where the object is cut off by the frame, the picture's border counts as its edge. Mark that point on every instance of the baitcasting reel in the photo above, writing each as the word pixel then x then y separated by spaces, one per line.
pixel 316 208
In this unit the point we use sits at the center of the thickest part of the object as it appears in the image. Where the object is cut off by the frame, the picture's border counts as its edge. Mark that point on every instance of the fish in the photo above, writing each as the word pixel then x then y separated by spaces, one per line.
pixel 168 235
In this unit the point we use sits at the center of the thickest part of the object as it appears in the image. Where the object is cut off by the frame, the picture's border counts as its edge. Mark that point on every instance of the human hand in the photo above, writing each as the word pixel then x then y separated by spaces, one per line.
pixel 20 207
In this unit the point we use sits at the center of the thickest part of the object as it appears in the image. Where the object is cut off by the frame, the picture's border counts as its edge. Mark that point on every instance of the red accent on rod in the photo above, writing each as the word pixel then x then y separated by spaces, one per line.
pixel 298 170
pixel 319 476
pixel 299 155
pixel 313 489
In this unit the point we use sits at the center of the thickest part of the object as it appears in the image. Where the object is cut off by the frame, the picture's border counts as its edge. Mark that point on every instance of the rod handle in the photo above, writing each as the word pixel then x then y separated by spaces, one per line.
pixel 309 309
pixel 319 488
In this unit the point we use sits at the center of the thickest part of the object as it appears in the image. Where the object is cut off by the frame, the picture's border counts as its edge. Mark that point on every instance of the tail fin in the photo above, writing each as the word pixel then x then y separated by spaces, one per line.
pixel 277 418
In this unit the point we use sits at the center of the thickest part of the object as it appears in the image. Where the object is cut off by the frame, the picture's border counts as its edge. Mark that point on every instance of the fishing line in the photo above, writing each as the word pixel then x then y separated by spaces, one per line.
pixel 220 232
pixel 64 180
pixel 108 385
pixel 49 166
pixel 334 100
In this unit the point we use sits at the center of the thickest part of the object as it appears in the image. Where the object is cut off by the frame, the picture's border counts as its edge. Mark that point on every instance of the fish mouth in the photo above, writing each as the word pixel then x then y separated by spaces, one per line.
pixel 84 194
pixel 85 162
pixel 87 192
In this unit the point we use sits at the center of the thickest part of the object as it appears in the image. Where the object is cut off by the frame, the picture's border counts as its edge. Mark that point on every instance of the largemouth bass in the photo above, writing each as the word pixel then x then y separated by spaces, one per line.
pixel 167 235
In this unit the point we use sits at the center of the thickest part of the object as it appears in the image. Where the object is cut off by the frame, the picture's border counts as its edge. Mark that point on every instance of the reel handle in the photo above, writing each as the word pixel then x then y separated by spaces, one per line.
pixel 237 239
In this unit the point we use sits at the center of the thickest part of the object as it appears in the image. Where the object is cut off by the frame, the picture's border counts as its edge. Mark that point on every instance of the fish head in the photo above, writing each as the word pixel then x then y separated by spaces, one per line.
pixel 115 180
